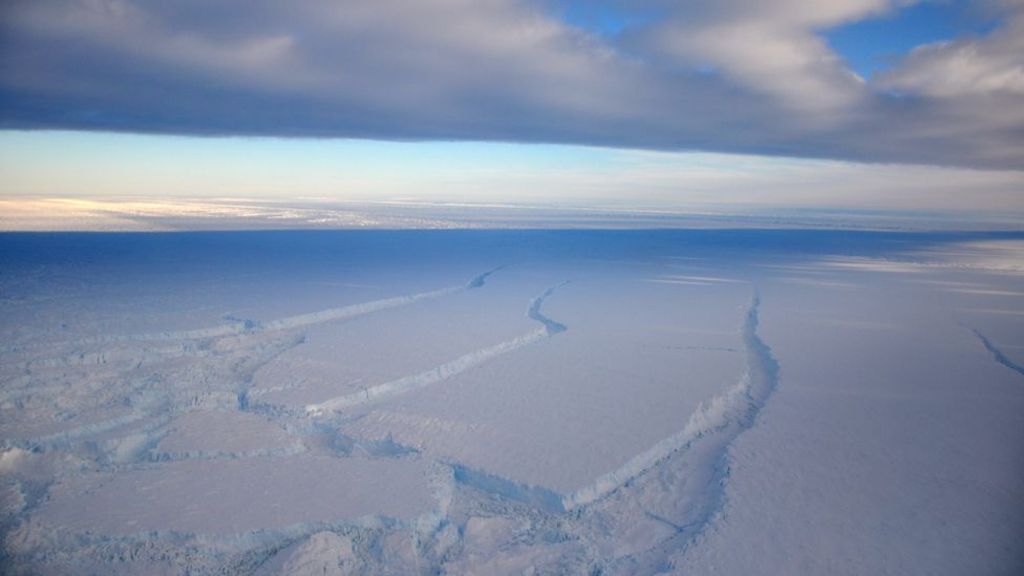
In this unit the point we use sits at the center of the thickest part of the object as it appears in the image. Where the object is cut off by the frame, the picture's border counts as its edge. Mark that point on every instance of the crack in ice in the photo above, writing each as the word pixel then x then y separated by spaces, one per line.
pixel 448 369
pixel 729 413
pixel 997 354
pixel 243 327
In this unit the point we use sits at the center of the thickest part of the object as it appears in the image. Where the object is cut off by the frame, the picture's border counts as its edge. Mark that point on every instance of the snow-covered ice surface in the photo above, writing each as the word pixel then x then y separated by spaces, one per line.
pixel 512 402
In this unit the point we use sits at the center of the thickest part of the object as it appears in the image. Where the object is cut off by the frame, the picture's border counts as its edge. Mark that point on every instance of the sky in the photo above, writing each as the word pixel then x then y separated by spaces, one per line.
pixel 871 104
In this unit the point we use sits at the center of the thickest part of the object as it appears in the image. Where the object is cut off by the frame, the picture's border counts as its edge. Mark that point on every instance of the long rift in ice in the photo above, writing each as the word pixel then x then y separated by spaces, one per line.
pixel 727 414
pixel 448 369
pixel 303 320
pixel 550 326
pixel 997 354
pixel 536 496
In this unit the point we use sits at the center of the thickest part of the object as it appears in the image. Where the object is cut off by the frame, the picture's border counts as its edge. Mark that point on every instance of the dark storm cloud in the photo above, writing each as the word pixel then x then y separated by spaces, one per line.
pixel 739 75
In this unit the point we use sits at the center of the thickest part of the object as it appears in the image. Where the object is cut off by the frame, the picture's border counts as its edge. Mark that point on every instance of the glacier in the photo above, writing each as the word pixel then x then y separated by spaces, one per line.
pixel 512 402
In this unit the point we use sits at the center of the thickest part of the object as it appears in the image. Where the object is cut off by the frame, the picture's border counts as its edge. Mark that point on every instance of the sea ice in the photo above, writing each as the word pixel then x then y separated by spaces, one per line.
pixel 501 402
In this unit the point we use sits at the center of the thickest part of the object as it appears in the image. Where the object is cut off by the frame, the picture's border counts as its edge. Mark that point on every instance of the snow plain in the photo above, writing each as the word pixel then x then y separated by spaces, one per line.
pixel 512 402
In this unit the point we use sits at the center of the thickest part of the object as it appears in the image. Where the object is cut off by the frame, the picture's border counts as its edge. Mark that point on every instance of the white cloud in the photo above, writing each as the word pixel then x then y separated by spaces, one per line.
pixel 773 48
pixel 974 66
pixel 508 70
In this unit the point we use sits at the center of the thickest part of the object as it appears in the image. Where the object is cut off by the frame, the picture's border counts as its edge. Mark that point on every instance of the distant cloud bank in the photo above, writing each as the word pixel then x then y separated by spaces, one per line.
pixel 749 76
pixel 181 214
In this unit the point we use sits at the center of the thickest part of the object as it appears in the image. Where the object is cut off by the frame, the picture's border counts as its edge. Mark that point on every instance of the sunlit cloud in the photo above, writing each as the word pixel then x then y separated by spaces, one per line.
pixel 745 76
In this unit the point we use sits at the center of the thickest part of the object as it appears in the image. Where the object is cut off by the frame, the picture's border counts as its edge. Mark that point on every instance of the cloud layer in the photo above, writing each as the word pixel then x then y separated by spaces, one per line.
pixel 750 76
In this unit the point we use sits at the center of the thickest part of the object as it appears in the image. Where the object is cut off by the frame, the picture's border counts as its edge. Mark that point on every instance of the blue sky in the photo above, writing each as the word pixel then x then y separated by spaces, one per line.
pixel 875 44
pixel 140 167
pixel 602 17
pixel 398 98
pixel 868 45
